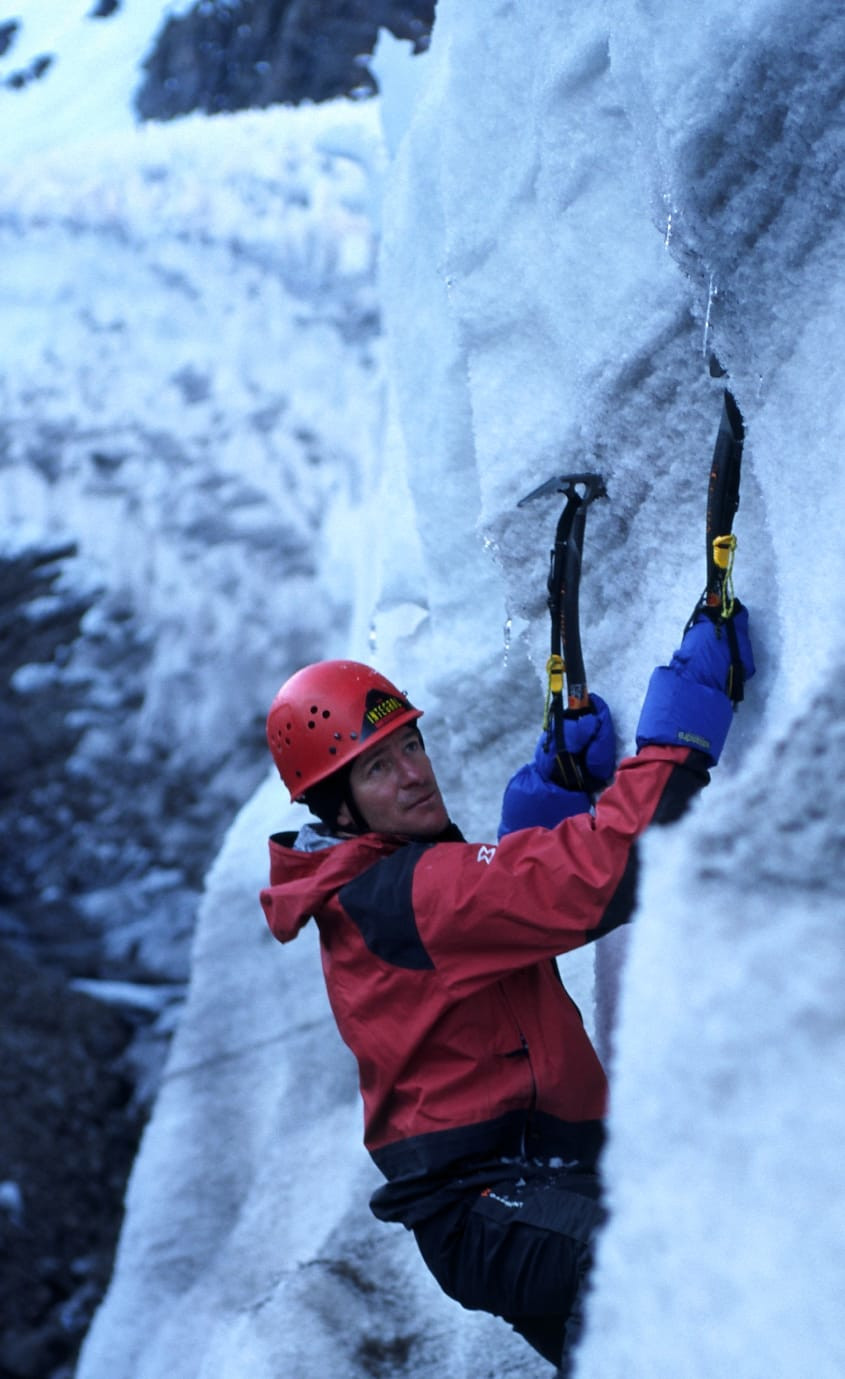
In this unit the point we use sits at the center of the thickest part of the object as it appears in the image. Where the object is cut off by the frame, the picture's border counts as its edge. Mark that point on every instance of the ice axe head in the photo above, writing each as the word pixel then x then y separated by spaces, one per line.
pixel 563 584
pixel 590 485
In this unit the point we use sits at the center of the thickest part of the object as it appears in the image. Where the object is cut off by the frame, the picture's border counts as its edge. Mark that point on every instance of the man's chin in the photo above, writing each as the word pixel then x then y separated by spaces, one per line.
pixel 427 820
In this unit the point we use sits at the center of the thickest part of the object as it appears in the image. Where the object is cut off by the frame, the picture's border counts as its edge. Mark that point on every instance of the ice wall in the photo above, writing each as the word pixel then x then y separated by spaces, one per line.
pixel 586 204
pixel 628 190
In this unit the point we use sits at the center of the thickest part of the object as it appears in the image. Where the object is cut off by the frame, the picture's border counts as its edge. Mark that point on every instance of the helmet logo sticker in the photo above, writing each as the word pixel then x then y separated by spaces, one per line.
pixel 379 706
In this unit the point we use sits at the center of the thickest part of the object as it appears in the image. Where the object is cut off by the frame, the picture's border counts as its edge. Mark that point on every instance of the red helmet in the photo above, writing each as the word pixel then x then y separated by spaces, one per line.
pixel 326 715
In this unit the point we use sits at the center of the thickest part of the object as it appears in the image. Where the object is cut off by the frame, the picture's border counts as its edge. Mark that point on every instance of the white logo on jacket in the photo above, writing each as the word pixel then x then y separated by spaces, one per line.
pixel 486 854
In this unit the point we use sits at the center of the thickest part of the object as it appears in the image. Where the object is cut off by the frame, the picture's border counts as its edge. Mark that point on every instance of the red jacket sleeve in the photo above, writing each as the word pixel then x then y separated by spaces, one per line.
pixel 483 912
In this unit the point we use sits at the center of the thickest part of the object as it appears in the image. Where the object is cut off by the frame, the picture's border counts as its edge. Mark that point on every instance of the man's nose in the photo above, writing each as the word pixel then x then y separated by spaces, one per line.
pixel 411 769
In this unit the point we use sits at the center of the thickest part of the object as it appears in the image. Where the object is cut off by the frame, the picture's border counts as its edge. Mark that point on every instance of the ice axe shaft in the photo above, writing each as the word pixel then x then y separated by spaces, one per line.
pixel 722 504
pixel 564 584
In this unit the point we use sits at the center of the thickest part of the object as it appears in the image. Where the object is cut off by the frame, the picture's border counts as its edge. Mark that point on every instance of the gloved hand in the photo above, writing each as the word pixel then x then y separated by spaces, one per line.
pixel 688 703
pixel 706 653
pixel 531 802
pixel 535 797
pixel 589 736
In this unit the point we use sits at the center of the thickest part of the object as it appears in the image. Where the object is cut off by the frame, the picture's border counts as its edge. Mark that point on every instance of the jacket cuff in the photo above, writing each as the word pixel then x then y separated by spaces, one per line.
pixel 680 712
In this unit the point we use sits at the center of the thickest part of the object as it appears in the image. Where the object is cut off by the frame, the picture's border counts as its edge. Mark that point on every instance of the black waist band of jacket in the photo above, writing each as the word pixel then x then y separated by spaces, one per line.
pixel 423 1169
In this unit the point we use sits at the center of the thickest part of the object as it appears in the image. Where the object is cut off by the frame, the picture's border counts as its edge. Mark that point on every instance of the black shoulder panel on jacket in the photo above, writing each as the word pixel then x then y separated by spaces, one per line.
pixel 379 903
pixel 622 903
pixel 683 784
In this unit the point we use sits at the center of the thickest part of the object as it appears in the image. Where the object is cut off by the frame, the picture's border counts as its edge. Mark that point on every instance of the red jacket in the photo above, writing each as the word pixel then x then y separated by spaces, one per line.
pixel 439 964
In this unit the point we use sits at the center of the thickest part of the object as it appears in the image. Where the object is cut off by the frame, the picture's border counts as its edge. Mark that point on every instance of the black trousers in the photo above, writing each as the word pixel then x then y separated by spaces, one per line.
pixel 521 1248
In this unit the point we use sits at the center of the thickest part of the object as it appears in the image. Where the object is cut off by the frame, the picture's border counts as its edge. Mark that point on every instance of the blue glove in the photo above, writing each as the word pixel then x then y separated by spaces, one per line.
pixel 589 736
pixel 706 654
pixel 535 798
pixel 688 703
pixel 531 802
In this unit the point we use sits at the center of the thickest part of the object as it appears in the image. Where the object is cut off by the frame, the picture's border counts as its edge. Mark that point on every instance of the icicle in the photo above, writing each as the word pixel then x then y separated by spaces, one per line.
pixel 507 632
pixel 667 202
pixel 712 294
pixel 373 638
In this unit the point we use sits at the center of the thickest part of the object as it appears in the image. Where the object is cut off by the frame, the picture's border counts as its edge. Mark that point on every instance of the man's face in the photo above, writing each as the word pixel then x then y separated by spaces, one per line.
pixel 394 787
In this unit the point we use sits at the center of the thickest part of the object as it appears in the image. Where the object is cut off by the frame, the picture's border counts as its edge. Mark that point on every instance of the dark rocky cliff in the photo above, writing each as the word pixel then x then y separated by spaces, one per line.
pixel 74 1070
pixel 67 1138
pixel 257 53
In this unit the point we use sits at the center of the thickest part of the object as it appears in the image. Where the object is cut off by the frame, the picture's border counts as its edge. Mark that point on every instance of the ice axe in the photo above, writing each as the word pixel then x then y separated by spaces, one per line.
pixel 566 660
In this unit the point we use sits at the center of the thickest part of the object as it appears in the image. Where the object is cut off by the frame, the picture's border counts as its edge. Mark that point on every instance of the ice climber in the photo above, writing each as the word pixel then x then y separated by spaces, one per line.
pixel 483 1096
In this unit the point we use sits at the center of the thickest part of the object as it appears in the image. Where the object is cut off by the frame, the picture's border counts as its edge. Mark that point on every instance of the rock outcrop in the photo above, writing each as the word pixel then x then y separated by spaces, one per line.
pixel 264 52
pixel 68 1133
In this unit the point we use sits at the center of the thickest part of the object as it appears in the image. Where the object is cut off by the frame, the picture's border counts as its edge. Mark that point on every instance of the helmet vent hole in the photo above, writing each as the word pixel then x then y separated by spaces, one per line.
pixel 314 708
pixel 311 723
pixel 327 713
pixel 332 751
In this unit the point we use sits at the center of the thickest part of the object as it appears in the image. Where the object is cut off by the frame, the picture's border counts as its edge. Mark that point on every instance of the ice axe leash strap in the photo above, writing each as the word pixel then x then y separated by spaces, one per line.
pixel 565 666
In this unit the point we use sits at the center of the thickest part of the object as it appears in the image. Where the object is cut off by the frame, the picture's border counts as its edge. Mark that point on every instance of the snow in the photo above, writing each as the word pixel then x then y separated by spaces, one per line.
pixel 131 994
pixel 191 377
pixel 582 204
pixel 109 53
